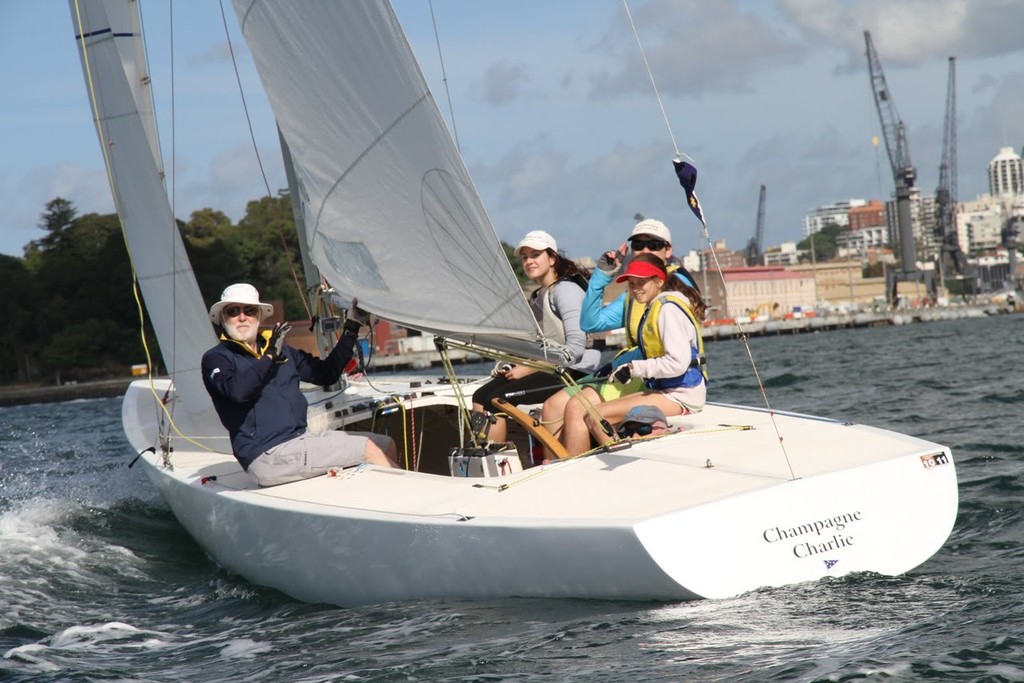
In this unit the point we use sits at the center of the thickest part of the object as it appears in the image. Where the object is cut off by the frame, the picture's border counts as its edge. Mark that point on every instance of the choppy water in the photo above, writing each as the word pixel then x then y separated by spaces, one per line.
pixel 98 581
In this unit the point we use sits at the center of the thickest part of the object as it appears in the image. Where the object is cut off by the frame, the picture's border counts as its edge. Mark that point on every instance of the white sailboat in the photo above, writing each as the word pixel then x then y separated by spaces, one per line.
pixel 391 216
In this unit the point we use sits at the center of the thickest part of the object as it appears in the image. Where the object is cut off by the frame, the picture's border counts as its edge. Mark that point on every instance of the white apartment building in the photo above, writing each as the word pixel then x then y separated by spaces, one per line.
pixel 836 214
pixel 1005 173
pixel 979 224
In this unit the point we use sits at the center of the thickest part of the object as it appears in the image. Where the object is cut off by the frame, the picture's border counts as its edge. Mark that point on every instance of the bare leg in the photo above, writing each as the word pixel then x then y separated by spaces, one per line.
pixel 374 455
pixel 499 430
pixel 614 411
pixel 552 414
pixel 575 434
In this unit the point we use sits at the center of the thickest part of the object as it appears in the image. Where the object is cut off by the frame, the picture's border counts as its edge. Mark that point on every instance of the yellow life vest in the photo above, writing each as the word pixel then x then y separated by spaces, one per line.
pixel 651 345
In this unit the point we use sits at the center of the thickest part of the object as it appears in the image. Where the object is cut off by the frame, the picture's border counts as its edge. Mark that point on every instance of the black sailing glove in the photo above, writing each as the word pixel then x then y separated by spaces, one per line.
pixel 275 345
pixel 355 318
pixel 622 374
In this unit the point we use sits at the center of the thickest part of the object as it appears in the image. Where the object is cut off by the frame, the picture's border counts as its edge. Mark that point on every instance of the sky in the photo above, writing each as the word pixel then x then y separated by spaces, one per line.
pixel 554 111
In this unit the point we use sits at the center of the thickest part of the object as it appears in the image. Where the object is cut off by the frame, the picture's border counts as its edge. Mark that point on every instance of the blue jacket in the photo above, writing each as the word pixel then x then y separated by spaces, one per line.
pixel 258 400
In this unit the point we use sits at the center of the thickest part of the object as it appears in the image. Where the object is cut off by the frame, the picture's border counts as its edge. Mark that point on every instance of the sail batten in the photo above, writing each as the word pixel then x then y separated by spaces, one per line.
pixel 392 215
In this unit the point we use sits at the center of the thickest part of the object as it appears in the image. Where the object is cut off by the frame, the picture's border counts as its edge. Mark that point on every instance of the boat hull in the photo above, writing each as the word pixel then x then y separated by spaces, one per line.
pixel 709 512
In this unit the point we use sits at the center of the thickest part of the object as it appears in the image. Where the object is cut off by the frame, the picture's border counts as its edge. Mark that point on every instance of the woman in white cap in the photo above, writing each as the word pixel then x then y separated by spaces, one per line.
pixel 253 379
pixel 670 360
pixel 556 305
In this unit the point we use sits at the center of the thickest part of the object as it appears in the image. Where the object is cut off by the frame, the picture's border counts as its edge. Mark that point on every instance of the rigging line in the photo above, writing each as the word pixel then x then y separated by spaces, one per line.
pixel 444 79
pixel 711 249
pixel 650 74
pixel 259 159
pixel 173 182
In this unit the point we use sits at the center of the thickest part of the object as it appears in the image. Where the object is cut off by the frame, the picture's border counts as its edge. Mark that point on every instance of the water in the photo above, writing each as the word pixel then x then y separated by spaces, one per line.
pixel 98 581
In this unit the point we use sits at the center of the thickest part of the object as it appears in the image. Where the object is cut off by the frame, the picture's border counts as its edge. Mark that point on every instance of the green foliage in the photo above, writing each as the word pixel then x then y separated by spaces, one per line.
pixel 69 309
pixel 824 242
pixel 874 270
pixel 517 265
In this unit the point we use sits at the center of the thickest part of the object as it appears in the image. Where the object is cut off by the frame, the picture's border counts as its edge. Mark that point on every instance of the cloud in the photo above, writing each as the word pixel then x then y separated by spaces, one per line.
pixel 909 32
pixel 693 48
pixel 503 83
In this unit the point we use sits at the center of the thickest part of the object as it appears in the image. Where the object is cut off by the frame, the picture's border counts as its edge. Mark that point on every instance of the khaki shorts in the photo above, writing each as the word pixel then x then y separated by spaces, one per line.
pixel 312 455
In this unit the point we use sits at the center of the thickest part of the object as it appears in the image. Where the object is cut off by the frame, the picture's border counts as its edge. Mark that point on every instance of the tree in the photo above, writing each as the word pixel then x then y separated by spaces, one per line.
pixel 517 265
pixel 824 242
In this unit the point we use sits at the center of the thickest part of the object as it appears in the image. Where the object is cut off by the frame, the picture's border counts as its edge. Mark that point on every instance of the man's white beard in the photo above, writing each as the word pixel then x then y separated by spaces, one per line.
pixel 231 329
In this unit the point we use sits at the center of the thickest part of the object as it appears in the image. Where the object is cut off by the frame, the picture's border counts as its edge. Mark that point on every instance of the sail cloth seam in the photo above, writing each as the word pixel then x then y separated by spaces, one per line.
pixel 362 155
pixel 695 207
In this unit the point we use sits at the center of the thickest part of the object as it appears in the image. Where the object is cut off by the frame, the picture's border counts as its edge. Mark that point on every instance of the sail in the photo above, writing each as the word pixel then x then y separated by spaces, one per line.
pixel 114 68
pixel 392 216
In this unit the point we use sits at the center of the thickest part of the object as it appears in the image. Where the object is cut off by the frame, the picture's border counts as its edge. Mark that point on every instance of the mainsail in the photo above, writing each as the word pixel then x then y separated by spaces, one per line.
pixel 391 212
pixel 115 74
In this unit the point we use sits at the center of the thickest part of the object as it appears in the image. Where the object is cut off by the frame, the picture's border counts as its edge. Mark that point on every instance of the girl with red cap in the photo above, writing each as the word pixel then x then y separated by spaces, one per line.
pixel 672 363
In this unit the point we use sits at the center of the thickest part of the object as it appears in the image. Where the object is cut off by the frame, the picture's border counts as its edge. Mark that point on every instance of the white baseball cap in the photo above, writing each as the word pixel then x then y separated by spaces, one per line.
pixel 536 239
pixel 652 227
pixel 240 293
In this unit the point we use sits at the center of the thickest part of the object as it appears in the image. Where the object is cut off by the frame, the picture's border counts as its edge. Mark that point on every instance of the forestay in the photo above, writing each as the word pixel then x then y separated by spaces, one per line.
pixel 391 212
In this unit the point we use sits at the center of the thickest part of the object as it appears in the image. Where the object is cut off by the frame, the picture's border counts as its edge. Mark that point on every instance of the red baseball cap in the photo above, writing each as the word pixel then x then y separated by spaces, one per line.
pixel 642 269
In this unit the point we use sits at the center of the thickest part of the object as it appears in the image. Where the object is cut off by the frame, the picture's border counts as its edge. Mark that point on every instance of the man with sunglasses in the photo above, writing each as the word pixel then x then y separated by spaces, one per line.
pixel 649 235
pixel 253 379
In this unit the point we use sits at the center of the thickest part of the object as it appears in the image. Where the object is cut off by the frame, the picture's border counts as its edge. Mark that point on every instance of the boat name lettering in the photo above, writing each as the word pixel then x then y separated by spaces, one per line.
pixel 829 524
pixel 808 549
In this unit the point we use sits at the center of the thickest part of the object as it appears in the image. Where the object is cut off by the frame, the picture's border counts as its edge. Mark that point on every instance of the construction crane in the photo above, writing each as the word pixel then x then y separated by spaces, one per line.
pixel 903 172
pixel 755 245
pixel 951 255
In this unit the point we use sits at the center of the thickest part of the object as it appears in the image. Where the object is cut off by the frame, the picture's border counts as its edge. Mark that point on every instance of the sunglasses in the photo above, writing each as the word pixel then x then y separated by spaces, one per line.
pixel 250 311
pixel 633 429
pixel 650 245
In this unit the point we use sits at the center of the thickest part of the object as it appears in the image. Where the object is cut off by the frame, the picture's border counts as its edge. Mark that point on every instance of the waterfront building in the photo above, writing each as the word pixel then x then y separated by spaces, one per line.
pixel 834 214
pixel 979 224
pixel 720 255
pixel 786 254
pixel 759 293
pixel 840 284
pixel 1005 173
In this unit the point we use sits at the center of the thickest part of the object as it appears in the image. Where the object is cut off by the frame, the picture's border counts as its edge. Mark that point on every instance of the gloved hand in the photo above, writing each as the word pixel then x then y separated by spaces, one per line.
pixel 608 262
pixel 275 346
pixel 603 371
pixel 622 374
pixel 357 314
pixel 355 318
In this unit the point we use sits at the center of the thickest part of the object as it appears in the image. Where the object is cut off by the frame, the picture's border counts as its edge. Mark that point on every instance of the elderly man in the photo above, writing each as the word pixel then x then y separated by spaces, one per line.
pixel 253 379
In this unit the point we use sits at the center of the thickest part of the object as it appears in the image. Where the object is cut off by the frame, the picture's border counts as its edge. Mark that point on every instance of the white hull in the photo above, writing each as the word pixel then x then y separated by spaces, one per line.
pixel 706 513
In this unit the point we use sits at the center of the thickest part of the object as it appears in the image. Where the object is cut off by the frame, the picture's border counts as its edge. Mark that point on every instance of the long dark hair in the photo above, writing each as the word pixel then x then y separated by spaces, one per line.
pixel 674 283
pixel 567 269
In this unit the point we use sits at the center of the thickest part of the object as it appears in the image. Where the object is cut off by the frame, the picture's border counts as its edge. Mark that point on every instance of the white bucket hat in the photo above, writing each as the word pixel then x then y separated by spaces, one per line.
pixel 536 239
pixel 240 293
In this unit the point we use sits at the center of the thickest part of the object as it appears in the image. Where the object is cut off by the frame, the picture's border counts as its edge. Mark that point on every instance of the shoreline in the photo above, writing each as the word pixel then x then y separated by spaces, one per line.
pixel 26 395
pixel 15 395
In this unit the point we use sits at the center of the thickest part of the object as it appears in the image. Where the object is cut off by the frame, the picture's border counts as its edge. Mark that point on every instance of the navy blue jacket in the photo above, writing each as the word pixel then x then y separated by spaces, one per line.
pixel 258 399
